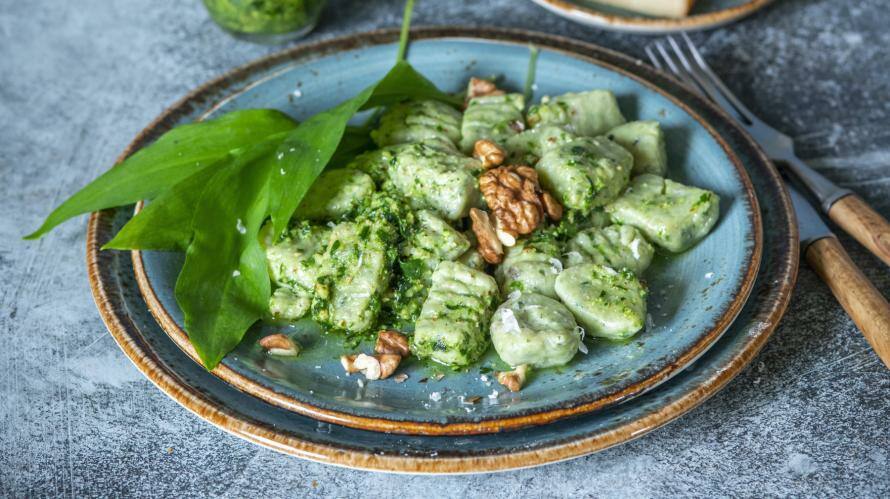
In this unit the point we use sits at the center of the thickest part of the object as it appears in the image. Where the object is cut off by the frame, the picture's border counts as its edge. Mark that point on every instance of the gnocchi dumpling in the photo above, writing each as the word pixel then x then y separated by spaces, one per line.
pixel 645 140
pixel 607 303
pixel 534 329
pixel 670 214
pixel 585 173
pixel 618 246
pixel 528 147
pixel 590 113
pixel 356 271
pixel 432 241
pixel 492 117
pixel 450 329
pixel 294 262
pixel 334 194
pixel 432 179
pixel 529 269
pixel 428 121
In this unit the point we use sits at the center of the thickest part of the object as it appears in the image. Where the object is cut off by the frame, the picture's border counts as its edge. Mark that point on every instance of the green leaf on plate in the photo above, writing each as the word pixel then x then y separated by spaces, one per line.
pixel 223 287
pixel 173 157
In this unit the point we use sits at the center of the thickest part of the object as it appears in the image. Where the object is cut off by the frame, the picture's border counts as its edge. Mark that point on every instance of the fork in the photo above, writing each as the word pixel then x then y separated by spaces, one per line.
pixel 844 208
pixel 861 300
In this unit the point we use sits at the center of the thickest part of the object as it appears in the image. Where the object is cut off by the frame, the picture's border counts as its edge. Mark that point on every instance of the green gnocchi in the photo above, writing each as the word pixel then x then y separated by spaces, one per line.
pixel 385 242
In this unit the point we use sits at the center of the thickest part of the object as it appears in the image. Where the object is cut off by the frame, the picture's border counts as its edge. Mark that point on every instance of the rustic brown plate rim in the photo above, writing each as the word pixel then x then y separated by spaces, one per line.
pixel 131 343
pixel 495 423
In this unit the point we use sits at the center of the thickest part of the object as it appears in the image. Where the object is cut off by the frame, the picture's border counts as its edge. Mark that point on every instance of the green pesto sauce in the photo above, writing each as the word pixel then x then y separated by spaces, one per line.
pixel 264 16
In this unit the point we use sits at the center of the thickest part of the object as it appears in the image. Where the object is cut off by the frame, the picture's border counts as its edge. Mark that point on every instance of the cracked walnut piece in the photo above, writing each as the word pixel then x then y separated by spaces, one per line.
pixel 489 153
pixel 517 201
pixel 514 379
pixel 372 366
pixel 481 88
pixel 280 344
pixel 489 246
pixel 392 342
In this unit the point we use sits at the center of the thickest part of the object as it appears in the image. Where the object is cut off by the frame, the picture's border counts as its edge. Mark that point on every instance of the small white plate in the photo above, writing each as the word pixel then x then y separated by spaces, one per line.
pixel 706 14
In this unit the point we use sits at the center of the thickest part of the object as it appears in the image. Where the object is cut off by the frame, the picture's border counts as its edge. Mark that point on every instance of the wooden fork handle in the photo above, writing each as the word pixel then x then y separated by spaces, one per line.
pixel 862 301
pixel 857 218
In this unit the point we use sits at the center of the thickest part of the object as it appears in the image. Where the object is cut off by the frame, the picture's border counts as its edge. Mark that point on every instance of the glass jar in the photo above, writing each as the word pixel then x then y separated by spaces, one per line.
pixel 266 21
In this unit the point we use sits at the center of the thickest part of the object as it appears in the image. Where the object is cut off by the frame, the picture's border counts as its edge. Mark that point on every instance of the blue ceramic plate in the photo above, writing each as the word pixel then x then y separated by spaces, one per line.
pixel 706 14
pixel 694 296
pixel 159 356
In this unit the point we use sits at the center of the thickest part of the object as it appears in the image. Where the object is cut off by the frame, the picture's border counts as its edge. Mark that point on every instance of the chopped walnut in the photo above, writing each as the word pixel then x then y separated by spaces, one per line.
pixel 481 88
pixel 551 206
pixel 489 153
pixel 377 366
pixel 280 344
pixel 372 366
pixel 514 379
pixel 392 342
pixel 348 363
pixel 489 245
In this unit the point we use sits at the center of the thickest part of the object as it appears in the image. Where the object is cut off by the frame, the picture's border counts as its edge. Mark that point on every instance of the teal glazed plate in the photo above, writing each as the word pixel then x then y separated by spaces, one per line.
pixel 706 14
pixel 162 358
pixel 694 296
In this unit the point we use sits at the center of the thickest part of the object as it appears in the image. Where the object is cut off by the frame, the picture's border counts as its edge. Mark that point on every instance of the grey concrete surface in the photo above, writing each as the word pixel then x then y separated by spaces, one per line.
pixel 78 79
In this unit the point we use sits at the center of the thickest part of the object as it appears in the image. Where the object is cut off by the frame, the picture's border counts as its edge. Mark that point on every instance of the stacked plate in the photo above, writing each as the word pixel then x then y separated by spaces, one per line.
pixel 712 309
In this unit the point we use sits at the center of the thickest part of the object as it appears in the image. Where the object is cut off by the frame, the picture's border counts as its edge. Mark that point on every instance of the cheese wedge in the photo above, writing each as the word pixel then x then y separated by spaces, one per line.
pixel 659 8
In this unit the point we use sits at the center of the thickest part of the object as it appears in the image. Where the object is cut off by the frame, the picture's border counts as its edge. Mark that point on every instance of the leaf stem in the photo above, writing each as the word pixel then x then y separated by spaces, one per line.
pixel 530 74
pixel 406 25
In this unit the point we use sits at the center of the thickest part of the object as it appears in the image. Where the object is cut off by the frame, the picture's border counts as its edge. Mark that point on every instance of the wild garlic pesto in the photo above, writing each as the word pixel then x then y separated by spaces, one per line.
pixel 645 140
pixel 493 117
pixel 585 173
pixel 617 246
pixel 530 268
pixel 452 325
pixel 335 194
pixel 431 122
pixel 432 241
pixel 534 329
pixel 606 302
pixel 670 214
pixel 443 182
pixel 294 261
pixel 376 164
pixel 588 114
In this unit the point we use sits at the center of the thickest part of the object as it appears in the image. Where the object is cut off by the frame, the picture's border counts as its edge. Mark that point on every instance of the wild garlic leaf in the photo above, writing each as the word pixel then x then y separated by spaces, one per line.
pixel 173 157
pixel 304 153
pixel 166 222
pixel 223 287
pixel 404 82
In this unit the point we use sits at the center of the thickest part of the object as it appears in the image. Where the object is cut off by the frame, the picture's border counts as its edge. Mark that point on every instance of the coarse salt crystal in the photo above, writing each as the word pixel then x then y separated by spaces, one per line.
pixel 435 396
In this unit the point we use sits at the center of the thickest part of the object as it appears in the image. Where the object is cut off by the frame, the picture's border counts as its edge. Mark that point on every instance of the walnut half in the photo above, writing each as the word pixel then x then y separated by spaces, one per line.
pixel 489 245
pixel 514 196
pixel 392 342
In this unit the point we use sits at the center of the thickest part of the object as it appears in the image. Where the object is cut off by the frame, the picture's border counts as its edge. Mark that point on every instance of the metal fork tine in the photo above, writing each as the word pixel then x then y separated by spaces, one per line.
pixel 704 83
pixel 652 57
pixel 677 70
pixel 700 61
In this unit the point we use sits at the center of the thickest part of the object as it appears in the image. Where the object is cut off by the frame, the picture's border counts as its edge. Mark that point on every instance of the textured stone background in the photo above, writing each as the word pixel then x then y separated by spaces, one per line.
pixel 78 79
